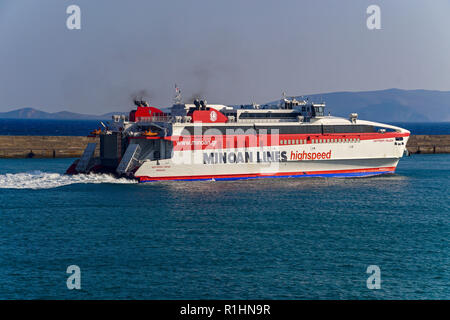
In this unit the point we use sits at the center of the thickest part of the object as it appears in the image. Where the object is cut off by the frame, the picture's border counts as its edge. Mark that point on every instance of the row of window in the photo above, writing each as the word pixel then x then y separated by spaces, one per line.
pixel 270 129
pixel 276 115
pixel 304 141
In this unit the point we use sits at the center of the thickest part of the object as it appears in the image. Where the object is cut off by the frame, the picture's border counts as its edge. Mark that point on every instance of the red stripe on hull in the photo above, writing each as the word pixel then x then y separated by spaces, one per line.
pixel 278 174
pixel 245 141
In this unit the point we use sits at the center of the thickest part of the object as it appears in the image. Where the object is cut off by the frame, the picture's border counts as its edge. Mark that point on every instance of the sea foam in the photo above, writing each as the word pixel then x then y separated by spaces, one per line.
pixel 48 180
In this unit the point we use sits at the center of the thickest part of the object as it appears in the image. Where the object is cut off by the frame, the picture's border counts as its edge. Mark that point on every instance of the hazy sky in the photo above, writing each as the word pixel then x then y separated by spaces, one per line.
pixel 226 51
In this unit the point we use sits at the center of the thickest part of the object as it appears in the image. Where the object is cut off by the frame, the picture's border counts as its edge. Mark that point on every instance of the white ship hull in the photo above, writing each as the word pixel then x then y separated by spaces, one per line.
pixel 341 159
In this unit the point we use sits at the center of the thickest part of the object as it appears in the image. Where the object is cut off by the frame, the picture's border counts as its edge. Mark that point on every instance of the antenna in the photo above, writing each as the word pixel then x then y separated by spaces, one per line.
pixel 283 100
pixel 177 97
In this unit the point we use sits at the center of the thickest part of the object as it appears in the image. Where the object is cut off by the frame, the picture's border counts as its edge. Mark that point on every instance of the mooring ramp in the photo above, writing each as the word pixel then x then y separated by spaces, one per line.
pixel 86 158
pixel 129 159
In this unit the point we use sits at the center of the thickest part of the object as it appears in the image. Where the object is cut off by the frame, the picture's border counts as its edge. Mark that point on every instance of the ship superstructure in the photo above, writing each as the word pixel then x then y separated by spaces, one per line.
pixel 201 141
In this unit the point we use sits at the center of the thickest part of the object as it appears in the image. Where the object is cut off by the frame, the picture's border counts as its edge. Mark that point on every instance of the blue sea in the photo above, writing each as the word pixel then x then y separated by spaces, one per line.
pixel 305 238
pixel 40 127
pixel 50 127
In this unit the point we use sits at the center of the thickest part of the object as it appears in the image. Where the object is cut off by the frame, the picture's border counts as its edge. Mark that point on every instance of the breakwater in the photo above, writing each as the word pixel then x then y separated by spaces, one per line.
pixel 429 144
pixel 73 147
pixel 44 146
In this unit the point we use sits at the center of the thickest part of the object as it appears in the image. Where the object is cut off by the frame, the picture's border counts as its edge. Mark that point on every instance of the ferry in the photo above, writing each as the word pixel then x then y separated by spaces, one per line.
pixel 200 141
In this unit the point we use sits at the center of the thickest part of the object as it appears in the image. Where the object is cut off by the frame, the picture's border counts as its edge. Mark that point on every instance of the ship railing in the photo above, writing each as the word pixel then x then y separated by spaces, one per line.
pixel 262 120
pixel 170 119
pixel 155 119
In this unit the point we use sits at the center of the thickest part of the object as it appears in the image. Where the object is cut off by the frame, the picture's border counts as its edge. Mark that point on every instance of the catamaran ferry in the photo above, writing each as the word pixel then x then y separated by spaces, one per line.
pixel 202 141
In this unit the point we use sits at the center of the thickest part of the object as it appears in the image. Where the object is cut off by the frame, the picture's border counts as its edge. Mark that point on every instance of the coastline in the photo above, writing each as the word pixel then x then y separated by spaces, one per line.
pixel 73 146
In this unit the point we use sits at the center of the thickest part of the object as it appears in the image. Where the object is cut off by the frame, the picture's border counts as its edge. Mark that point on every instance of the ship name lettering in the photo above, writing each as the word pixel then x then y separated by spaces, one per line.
pixel 244 157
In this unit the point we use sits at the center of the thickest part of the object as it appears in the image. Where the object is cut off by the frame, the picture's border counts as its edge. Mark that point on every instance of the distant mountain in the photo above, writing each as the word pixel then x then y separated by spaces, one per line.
pixel 30 113
pixel 392 105
pixel 25 113
pixel 110 114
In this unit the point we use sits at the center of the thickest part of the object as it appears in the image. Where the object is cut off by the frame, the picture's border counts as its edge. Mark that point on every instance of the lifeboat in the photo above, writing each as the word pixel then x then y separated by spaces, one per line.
pixel 149 133
pixel 95 133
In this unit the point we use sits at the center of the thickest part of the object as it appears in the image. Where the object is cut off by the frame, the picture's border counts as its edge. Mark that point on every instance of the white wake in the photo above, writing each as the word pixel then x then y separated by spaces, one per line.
pixel 47 180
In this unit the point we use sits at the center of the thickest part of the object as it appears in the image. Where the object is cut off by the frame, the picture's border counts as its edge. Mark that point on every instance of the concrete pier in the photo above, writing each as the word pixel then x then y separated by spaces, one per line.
pixel 429 144
pixel 44 146
pixel 73 147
